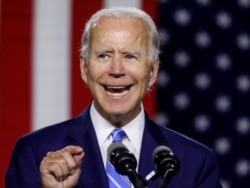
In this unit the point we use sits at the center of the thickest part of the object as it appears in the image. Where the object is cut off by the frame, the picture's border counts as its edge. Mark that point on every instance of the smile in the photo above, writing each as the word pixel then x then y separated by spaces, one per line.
pixel 117 91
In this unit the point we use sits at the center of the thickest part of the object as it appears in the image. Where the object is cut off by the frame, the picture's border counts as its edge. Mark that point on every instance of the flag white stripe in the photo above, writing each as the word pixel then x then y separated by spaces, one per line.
pixel 51 62
pixel 127 3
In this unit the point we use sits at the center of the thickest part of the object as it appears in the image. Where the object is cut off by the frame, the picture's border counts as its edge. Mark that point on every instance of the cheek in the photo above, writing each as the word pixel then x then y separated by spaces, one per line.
pixel 144 73
pixel 96 71
pixel 142 77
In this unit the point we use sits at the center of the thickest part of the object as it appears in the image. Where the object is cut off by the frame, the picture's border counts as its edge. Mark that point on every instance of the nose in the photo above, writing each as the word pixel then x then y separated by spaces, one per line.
pixel 117 67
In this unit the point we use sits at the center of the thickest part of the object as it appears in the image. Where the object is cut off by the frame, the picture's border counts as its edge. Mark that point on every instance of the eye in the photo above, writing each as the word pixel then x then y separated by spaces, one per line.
pixel 103 56
pixel 130 56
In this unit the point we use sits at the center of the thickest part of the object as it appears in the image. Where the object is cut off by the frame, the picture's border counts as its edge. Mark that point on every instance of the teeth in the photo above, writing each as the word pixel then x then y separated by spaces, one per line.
pixel 115 87
pixel 117 91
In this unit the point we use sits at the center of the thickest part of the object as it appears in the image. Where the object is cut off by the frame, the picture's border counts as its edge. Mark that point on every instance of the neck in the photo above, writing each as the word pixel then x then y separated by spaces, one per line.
pixel 119 120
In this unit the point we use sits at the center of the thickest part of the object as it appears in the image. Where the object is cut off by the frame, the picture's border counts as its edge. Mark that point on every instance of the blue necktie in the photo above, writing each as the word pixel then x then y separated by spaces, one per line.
pixel 115 179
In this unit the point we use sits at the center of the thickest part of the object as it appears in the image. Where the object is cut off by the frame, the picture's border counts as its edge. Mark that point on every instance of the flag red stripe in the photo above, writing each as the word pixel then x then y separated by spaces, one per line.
pixel 151 8
pixel 80 95
pixel 150 99
pixel 15 74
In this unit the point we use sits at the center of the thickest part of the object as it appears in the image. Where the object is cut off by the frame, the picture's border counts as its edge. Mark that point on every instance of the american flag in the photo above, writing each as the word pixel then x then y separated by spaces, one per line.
pixel 204 81
pixel 203 84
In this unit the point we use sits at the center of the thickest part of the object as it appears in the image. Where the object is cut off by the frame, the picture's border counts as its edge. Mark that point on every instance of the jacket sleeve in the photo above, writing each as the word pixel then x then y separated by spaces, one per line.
pixel 22 170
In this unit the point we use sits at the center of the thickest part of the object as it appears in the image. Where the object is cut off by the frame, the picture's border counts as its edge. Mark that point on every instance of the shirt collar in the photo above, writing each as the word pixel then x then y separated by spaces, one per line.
pixel 134 129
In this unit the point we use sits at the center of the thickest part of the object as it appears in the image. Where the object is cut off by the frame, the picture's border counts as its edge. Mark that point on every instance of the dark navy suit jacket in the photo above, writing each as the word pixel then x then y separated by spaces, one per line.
pixel 198 165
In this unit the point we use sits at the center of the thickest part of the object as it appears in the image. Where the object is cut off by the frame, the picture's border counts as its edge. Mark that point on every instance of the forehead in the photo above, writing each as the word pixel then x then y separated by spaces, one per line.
pixel 122 33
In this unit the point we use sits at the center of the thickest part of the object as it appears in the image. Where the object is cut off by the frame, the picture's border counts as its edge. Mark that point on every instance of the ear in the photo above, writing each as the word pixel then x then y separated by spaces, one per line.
pixel 154 72
pixel 83 68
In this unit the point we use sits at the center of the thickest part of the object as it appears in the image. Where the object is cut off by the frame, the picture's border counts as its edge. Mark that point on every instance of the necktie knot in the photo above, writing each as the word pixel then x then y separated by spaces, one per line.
pixel 118 135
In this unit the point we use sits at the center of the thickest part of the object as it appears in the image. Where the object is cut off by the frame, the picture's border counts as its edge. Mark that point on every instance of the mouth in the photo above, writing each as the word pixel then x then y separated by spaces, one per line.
pixel 117 91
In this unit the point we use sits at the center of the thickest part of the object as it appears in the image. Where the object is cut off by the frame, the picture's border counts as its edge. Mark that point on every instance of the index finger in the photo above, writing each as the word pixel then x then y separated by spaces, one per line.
pixel 73 150
pixel 76 152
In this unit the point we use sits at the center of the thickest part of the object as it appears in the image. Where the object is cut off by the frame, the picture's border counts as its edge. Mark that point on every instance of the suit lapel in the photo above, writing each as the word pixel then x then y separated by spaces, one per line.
pixel 83 134
pixel 152 137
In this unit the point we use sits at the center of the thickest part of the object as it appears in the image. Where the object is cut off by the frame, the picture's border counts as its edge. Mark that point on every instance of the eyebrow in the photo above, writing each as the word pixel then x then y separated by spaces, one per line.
pixel 124 52
pixel 98 52
pixel 132 53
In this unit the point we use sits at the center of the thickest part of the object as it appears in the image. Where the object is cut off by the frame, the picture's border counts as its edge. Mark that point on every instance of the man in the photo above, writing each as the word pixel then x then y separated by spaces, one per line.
pixel 119 63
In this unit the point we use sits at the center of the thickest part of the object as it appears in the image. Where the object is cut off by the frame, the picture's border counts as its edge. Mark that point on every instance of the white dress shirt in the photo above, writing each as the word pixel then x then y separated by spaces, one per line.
pixel 134 130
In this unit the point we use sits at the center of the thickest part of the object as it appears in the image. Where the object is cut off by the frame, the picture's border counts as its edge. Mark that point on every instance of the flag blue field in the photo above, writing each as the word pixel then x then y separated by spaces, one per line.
pixel 204 80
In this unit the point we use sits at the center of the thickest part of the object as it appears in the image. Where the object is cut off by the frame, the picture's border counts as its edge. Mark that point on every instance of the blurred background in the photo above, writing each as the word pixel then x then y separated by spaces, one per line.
pixel 203 89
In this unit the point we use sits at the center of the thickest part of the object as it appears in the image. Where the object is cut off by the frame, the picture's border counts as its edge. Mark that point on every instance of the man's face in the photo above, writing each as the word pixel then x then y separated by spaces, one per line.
pixel 118 71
